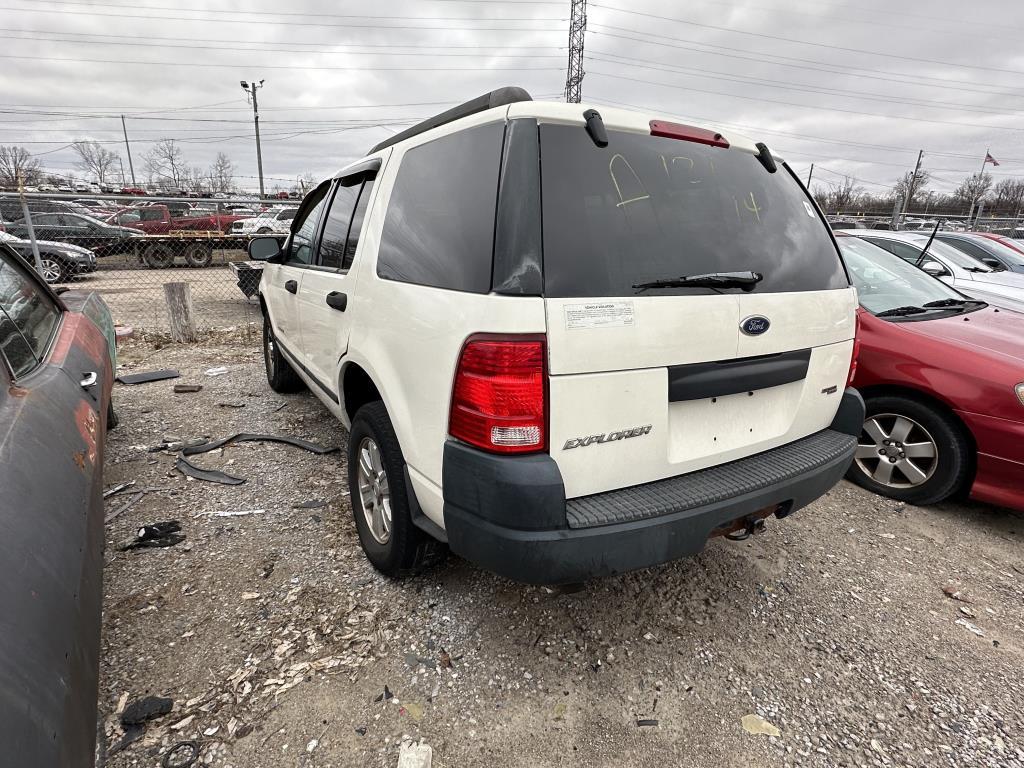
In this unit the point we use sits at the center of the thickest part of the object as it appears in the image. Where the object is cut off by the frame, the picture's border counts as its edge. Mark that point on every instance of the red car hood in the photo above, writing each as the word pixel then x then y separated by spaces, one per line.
pixel 994 331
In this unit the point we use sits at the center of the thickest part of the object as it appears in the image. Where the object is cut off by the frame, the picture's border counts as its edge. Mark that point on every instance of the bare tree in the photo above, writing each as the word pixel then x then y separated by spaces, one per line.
pixel 973 188
pixel 95 159
pixel 222 173
pixel 1009 195
pixel 846 193
pixel 15 163
pixel 912 189
pixel 165 164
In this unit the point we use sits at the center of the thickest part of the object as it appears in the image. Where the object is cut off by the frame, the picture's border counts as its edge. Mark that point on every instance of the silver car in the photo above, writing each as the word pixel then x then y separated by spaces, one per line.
pixel 998 287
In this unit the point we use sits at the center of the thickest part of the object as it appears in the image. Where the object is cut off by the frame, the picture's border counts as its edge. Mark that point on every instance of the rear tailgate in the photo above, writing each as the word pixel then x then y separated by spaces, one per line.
pixel 648 384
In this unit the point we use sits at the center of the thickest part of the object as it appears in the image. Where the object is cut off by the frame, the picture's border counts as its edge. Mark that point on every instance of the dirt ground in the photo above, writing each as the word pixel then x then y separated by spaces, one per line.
pixel 281 646
pixel 135 295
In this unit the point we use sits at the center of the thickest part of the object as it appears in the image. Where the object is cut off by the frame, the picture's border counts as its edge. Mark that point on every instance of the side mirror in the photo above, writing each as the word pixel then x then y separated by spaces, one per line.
pixel 263 248
pixel 991 262
pixel 934 269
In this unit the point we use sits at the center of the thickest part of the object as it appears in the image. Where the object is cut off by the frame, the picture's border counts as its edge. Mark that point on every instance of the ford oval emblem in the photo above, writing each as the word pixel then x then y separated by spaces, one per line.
pixel 755 325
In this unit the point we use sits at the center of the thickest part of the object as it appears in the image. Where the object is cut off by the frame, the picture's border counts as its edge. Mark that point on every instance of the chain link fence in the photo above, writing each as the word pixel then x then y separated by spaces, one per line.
pixel 1009 226
pixel 128 248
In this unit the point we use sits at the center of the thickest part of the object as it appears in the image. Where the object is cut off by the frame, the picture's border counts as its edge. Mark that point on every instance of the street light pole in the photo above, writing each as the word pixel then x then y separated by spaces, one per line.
pixel 251 90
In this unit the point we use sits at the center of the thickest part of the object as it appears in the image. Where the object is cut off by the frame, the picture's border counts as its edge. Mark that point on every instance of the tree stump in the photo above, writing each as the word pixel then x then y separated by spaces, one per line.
pixel 179 312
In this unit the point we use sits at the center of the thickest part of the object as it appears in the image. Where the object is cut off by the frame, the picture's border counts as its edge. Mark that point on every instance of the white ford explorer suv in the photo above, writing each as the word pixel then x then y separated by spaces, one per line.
pixel 565 342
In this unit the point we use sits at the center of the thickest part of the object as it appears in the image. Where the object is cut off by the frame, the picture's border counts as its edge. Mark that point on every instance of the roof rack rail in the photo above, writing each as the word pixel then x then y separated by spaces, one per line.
pixel 496 98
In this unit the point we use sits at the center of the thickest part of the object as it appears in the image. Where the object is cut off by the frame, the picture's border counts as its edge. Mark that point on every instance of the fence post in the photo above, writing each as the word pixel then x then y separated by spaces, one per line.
pixel 179 312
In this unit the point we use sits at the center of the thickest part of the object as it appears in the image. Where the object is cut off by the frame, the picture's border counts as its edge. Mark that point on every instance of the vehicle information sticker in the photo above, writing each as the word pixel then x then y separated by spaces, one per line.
pixel 603 314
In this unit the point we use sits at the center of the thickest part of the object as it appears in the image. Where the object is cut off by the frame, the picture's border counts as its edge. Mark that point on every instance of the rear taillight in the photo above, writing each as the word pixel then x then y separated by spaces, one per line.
pixel 499 400
pixel 856 351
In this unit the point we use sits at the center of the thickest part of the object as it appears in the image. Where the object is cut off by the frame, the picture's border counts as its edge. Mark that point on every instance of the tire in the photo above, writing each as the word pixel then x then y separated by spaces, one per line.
pixel 280 375
pixel 158 256
pixel 198 255
pixel 920 474
pixel 112 420
pixel 54 270
pixel 373 449
pixel 264 231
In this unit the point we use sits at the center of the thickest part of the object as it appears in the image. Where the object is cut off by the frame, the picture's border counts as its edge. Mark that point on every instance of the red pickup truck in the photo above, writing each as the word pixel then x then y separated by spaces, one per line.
pixel 157 220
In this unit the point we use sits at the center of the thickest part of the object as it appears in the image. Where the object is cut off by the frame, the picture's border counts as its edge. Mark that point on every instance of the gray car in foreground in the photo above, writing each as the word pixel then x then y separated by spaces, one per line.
pixel 998 287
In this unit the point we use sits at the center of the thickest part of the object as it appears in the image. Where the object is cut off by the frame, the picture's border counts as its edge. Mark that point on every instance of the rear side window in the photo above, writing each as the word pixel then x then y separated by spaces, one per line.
pixel 332 242
pixel 646 208
pixel 439 227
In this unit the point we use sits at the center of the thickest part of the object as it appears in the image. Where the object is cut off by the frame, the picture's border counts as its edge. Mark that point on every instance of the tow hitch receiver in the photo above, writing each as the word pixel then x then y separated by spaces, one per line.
pixel 750 525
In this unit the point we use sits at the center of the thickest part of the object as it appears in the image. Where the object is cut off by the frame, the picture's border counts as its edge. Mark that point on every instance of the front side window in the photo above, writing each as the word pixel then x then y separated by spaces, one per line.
pixel 332 244
pixel 439 226
pixel 300 249
pixel 28 318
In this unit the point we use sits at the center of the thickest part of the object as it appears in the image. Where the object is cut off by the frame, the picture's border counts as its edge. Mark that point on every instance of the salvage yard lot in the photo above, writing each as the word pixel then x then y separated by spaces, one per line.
pixel 276 639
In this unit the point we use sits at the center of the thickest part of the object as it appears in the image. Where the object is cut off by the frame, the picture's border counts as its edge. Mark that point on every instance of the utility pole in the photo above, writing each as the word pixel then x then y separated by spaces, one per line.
pixel 121 163
pixel 810 174
pixel 27 217
pixel 128 149
pixel 251 90
pixel 913 182
pixel 981 177
pixel 574 74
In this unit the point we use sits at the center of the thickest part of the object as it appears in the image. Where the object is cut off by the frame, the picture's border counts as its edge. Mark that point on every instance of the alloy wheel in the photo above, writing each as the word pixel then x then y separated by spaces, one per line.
pixel 896 451
pixel 374 491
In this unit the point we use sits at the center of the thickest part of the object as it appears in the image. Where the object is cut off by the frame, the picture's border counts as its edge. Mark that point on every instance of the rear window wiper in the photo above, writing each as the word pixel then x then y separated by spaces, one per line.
pixel 744 280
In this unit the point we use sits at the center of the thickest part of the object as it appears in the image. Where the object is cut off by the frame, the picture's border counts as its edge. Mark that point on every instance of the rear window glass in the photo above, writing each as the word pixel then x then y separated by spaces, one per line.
pixel 439 228
pixel 646 208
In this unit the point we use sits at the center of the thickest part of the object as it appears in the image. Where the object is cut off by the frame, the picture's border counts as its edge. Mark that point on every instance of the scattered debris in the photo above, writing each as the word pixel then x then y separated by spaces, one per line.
pixel 444 659
pixel 385 696
pixel 145 378
pixel 313 744
pixel 250 595
pixel 231 405
pixel 414 754
pixel 209 475
pixel 132 733
pixel 218 371
pixel 177 445
pixel 758 726
pixel 312 504
pixel 968 612
pixel 181 755
pixel 143 710
pixel 125 507
pixel 185 389
pixel 246 437
pixel 954 592
pixel 361 730
pixel 646 722
pixel 973 629
pixel 185 722
pixel 163 534
pixel 114 490
pixel 230 513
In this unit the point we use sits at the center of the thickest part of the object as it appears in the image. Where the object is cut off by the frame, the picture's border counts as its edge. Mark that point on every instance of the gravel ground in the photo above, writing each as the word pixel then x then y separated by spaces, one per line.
pixel 281 646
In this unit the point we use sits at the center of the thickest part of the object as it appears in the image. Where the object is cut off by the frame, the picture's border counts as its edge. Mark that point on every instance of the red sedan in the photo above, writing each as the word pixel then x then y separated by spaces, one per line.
pixel 942 376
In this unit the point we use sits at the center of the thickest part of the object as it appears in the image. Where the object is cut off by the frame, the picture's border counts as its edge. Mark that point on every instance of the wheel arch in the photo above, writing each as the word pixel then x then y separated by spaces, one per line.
pixel 925 398
pixel 356 388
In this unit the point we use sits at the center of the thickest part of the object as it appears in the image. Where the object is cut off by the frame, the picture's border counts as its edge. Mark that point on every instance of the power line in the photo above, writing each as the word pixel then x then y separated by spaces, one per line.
pixel 318 15
pixel 829 46
pixel 800 87
pixel 802 106
pixel 799 63
pixel 280 66
pixel 346 25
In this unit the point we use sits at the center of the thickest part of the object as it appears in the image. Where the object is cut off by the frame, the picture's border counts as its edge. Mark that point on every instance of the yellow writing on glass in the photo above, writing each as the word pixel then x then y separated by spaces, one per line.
pixel 754 208
pixel 618 188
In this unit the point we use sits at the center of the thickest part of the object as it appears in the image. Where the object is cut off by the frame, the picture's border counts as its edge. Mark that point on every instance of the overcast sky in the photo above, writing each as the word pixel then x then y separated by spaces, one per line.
pixel 854 87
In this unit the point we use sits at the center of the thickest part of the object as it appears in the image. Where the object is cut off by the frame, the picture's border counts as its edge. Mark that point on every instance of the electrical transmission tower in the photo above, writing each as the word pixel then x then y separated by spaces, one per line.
pixel 574 74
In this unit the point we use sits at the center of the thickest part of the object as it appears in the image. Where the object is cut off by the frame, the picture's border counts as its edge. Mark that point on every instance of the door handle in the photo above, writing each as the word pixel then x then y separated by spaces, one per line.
pixel 291 286
pixel 88 380
pixel 338 301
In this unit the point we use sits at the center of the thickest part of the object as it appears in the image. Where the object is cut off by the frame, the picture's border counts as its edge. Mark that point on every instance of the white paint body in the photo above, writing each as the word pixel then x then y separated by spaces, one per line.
pixel 408 337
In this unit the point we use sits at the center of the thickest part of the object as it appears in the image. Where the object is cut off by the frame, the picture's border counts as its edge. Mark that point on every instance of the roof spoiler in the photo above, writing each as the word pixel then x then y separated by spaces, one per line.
pixel 496 98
